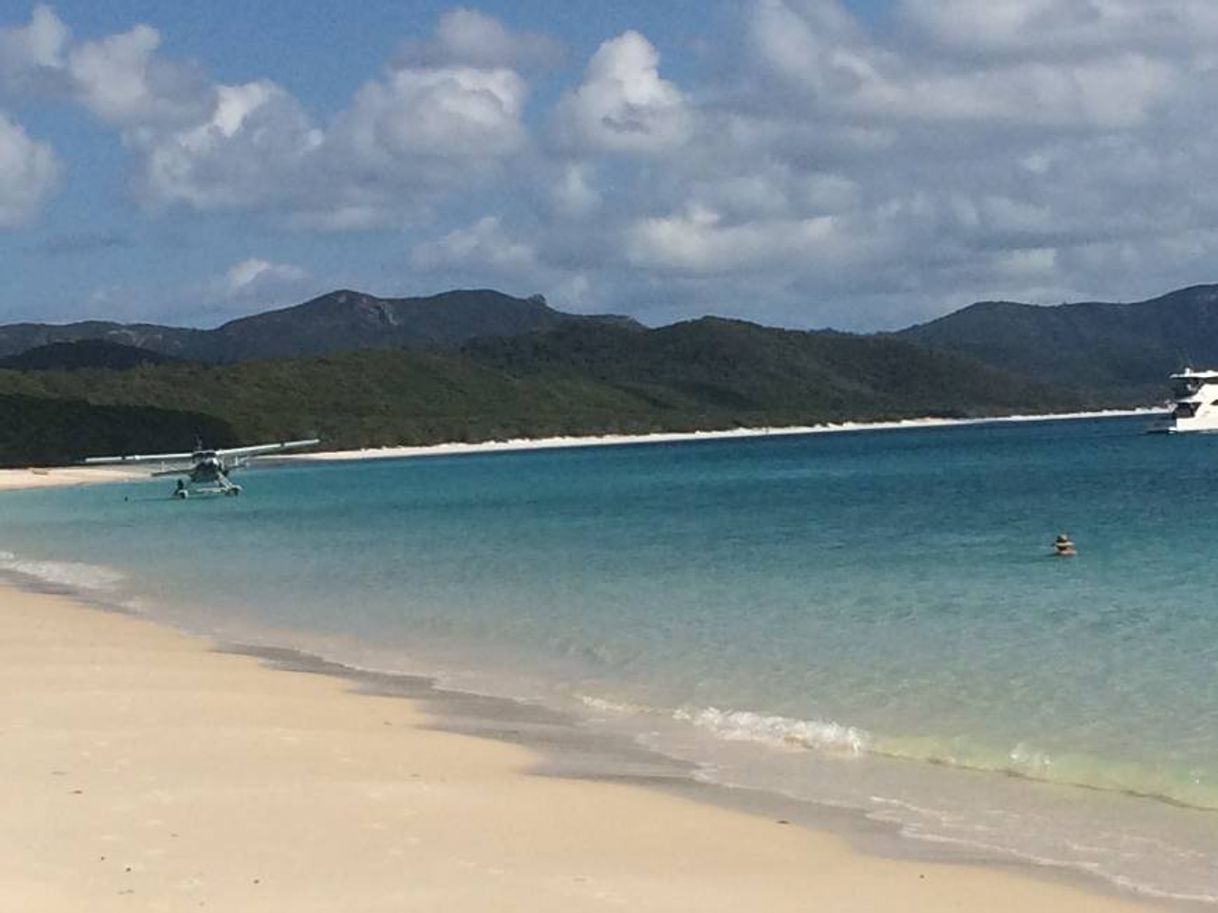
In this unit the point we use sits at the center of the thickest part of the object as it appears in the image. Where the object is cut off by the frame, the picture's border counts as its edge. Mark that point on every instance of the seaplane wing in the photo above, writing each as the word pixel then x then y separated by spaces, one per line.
pixel 144 458
pixel 263 449
pixel 236 454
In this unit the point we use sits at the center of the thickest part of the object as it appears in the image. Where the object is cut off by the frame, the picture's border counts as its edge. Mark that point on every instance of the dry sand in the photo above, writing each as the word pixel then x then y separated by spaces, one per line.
pixel 67 475
pixel 140 770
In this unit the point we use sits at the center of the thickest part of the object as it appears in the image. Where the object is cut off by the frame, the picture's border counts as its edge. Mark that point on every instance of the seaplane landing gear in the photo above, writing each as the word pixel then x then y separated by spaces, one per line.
pixel 225 487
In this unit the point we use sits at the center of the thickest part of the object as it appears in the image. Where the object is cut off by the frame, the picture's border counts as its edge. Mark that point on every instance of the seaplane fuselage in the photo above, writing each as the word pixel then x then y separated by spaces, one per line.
pixel 207 467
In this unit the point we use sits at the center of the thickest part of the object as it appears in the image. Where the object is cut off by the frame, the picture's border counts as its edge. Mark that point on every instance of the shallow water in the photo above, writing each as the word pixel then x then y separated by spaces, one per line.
pixel 868 619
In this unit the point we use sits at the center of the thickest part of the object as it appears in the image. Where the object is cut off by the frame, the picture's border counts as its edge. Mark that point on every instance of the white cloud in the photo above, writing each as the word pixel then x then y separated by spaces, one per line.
pixel 248 152
pixel 445 112
pixel 573 192
pixel 700 242
pixel 483 245
pixel 32 55
pixel 29 171
pixel 123 81
pixel 468 37
pixel 623 104
pixel 409 138
pixel 816 43
pixel 413 136
pixel 1049 27
pixel 853 77
pixel 1027 265
pixel 256 272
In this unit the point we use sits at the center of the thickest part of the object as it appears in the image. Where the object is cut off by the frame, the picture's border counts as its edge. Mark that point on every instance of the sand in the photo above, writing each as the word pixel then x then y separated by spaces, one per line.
pixel 67 475
pixel 142 770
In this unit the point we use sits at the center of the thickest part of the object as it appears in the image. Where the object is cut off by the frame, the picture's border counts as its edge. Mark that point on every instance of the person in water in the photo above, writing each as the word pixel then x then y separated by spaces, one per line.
pixel 1063 547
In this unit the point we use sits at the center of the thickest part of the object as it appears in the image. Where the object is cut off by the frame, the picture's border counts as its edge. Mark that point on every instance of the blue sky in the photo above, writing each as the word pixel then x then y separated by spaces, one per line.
pixel 799 162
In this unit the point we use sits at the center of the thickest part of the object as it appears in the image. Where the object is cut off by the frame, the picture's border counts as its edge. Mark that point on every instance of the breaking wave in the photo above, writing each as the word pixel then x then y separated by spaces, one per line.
pixel 778 731
pixel 73 575
pixel 1183 787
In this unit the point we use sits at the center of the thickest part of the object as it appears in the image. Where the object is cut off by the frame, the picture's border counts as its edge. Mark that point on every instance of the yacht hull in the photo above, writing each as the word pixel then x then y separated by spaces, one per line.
pixel 1198 425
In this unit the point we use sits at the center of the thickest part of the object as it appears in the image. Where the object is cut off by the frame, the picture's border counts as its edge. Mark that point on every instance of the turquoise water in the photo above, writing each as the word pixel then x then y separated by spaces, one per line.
pixel 868 619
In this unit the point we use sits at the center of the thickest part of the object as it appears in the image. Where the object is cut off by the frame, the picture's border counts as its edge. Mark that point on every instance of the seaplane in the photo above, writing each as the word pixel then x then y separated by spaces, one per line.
pixel 204 471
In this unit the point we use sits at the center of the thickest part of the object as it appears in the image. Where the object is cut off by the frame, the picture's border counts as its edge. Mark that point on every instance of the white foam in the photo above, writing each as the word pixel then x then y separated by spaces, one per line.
pixel 777 731
pixel 73 574
pixel 614 707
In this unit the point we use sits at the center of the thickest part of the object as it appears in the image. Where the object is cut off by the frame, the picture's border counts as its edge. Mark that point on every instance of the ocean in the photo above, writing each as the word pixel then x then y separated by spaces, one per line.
pixel 868 620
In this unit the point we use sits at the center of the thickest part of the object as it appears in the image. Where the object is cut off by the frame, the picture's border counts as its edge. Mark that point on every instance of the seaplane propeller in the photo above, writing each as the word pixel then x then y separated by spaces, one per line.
pixel 204 470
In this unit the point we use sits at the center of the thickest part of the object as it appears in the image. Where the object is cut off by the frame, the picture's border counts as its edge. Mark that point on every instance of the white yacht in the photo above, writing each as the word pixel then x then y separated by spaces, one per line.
pixel 1196 401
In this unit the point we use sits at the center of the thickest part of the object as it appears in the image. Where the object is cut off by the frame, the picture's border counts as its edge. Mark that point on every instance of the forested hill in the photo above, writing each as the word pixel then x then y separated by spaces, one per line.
pixel 1111 354
pixel 474 365
pixel 83 353
pixel 577 378
pixel 748 371
pixel 341 321
pixel 1120 354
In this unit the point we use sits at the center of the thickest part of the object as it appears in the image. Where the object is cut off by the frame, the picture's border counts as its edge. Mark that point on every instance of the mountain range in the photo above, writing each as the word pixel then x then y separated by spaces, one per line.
pixel 1115 354
pixel 475 365
pixel 341 321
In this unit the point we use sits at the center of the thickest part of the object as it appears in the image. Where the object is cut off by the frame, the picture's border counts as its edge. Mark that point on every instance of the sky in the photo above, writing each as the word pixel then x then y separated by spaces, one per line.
pixel 807 163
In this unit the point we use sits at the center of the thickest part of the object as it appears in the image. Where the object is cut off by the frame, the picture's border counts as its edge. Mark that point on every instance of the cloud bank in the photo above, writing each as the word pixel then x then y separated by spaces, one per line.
pixel 837 172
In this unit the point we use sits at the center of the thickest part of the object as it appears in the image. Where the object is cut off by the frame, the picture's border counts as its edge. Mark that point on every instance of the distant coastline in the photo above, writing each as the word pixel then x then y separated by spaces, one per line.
pixel 661 437
pixel 38 477
pixel 362 371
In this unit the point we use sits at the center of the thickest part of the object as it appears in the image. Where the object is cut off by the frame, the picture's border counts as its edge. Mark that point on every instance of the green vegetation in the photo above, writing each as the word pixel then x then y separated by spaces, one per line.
pixel 361 371
pixel 40 431
pixel 578 378
pixel 84 353
pixel 1114 354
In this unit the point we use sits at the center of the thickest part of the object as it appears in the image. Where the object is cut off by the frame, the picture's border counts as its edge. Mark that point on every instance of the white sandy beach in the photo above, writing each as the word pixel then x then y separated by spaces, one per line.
pixel 67 475
pixel 143 771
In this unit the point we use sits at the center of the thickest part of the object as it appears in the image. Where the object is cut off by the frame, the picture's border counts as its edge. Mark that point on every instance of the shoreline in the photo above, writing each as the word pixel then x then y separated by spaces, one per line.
pixel 260 769
pixel 65 476
pixel 453 448
pixel 564 747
